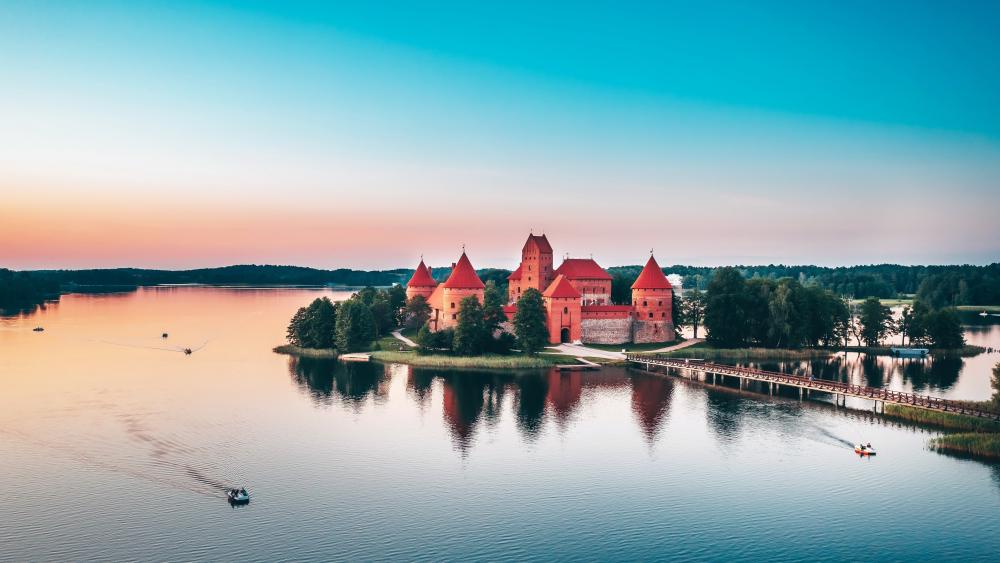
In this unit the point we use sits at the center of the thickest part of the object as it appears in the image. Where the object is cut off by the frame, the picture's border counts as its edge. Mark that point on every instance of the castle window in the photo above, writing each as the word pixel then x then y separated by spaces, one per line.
pixel 529 268
pixel 565 310
pixel 659 303
pixel 650 314
pixel 529 278
pixel 454 316
pixel 643 304
pixel 453 305
pixel 663 315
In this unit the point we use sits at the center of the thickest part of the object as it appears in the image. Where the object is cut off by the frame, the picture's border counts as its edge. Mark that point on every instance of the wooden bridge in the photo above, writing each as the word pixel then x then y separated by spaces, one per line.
pixel 775 380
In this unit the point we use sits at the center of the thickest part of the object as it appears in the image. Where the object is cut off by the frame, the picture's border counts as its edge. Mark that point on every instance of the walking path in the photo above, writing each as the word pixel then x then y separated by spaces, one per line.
pixel 578 350
pixel 681 346
pixel 399 336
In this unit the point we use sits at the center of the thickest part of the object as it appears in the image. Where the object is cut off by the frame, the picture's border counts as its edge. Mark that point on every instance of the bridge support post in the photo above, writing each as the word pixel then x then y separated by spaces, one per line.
pixel 800 393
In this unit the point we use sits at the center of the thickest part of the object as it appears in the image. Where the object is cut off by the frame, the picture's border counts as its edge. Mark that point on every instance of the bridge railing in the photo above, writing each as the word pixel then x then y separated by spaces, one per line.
pixel 879 393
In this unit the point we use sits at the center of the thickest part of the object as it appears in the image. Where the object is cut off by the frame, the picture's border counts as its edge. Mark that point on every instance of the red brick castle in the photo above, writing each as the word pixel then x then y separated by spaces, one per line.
pixel 577 297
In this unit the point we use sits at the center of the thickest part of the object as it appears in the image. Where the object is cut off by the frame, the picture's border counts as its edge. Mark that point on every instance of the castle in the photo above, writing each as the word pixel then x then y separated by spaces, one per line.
pixel 577 297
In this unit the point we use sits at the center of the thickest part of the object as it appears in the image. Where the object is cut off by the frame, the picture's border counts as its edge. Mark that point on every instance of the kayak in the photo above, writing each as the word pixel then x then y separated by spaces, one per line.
pixel 864 450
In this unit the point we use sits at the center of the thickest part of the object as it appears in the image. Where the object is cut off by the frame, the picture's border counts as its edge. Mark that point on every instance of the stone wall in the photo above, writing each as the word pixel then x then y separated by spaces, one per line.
pixel 606 331
pixel 652 331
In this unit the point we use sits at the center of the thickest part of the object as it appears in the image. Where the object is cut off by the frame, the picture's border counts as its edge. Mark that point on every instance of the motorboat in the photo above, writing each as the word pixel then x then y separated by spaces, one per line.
pixel 164 335
pixel 864 449
pixel 38 329
pixel 238 496
pixel 984 314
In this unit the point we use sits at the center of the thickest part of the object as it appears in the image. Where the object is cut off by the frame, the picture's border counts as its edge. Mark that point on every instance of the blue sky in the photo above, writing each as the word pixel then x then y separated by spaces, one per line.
pixel 830 133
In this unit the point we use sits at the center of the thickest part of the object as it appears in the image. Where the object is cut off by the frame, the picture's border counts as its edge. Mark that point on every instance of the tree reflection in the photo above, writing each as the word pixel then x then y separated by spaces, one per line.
pixel 650 402
pixel 325 380
pixel 723 415
pixel 463 402
pixel 940 373
pixel 530 407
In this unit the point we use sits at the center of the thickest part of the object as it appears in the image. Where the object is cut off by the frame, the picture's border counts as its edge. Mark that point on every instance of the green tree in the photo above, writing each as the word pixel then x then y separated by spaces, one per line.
pixel 875 321
pixel 396 296
pixel 944 329
pixel 530 326
pixel 367 295
pixel 297 327
pixel 383 315
pixel 725 309
pixel 470 332
pixel 416 313
pixel 995 383
pixel 355 328
pixel 694 309
pixel 782 317
pixel 493 315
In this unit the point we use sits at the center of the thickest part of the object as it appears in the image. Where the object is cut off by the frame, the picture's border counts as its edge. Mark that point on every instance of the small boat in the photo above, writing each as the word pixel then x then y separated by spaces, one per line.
pixel 188 351
pixel 984 314
pixel 38 329
pixel 238 496
pixel 164 335
pixel 864 449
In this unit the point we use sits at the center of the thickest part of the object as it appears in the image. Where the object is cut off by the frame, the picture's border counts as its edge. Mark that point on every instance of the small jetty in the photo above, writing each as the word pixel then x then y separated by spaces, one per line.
pixel 584 365
pixel 909 352
pixel 355 357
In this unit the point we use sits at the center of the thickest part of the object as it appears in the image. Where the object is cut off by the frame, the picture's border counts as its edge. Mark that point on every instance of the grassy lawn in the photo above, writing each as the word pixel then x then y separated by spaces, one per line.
pixel 632 347
pixel 489 361
pixel 705 351
pixel 390 343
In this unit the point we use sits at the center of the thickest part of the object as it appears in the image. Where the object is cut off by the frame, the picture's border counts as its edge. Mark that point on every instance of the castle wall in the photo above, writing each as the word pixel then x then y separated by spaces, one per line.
pixel 606 330
pixel 652 331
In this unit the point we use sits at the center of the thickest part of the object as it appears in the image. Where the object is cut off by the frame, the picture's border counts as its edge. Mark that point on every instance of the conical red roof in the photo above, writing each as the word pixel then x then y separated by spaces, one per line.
pixel 560 288
pixel 463 276
pixel 652 277
pixel 421 278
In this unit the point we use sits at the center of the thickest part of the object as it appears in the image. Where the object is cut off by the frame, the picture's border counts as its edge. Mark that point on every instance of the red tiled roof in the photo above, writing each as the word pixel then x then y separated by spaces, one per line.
pixel 421 278
pixel 561 288
pixel 582 268
pixel 606 308
pixel 539 243
pixel 516 274
pixel 651 277
pixel 510 309
pixel 463 276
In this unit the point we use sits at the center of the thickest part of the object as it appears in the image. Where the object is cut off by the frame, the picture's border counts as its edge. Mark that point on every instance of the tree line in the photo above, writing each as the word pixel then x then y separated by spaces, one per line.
pixel 939 286
pixel 353 325
pixel 763 312
pixel 21 289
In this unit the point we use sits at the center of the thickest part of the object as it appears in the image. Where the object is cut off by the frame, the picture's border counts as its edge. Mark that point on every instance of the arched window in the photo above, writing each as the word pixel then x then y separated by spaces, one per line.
pixel 659 303
pixel 650 314
pixel 565 310
pixel 643 303
pixel 663 315
pixel 452 304
pixel 454 316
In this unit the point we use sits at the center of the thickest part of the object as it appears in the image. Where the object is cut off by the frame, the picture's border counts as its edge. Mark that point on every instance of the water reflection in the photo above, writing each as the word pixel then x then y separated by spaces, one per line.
pixel 650 402
pixel 936 375
pixel 328 380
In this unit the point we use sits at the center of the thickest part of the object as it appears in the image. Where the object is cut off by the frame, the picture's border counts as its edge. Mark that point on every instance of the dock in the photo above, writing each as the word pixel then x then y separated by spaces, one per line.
pixel 355 357
pixel 710 372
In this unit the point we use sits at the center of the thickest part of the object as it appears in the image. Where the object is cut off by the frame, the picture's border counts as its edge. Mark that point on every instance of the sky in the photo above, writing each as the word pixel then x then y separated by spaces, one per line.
pixel 364 135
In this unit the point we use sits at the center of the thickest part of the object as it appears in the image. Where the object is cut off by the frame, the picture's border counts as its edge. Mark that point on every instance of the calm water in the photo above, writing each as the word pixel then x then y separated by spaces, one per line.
pixel 114 447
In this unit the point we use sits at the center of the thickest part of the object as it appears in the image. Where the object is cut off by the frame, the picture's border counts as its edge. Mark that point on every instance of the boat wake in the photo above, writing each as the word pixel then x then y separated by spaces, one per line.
pixel 828 437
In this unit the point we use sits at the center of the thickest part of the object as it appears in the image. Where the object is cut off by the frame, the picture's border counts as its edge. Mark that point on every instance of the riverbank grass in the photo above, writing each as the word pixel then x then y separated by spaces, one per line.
pixel 299 352
pixel 947 420
pixel 975 444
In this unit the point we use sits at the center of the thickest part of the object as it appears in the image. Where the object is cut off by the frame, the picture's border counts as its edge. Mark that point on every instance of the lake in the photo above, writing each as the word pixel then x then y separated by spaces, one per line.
pixel 116 446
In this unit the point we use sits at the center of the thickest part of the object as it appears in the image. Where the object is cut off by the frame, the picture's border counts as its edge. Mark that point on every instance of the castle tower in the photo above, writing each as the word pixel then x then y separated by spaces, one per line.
pixel 535 270
pixel 652 299
pixel 562 306
pixel 462 283
pixel 421 283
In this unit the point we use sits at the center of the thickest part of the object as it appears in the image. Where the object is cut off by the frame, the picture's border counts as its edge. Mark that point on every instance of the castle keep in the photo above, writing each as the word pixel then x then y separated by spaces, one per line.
pixel 577 297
